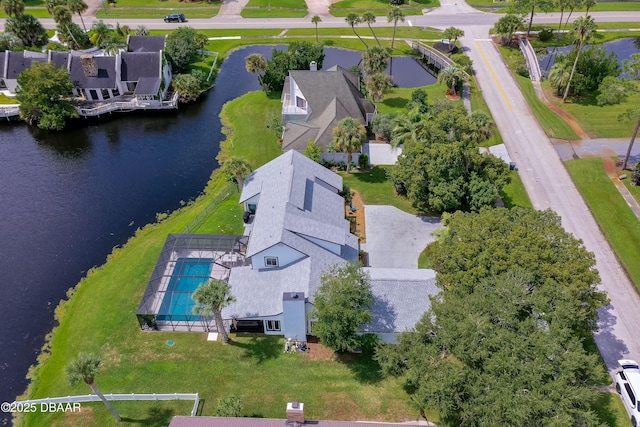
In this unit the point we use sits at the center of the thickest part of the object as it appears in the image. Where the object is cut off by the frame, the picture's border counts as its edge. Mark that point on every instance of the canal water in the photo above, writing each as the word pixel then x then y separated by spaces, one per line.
pixel 623 48
pixel 67 199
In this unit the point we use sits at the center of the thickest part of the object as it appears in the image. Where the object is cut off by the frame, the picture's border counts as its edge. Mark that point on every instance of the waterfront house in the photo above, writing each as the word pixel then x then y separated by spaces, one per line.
pixel 14 63
pixel 313 102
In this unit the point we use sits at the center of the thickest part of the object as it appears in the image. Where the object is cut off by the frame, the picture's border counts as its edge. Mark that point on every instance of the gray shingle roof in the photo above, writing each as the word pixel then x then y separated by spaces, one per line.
pixel 183 421
pixel 59 59
pixel 401 297
pixel 20 61
pixel 146 43
pixel 332 95
pixel 147 86
pixel 3 56
pixel 106 78
pixel 139 64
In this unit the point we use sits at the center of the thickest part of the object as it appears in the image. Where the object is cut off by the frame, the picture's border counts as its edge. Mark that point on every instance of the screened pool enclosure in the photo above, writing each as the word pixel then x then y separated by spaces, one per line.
pixel 186 262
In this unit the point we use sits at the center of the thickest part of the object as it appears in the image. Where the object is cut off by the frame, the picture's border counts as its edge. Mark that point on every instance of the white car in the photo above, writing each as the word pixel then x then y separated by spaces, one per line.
pixel 628 386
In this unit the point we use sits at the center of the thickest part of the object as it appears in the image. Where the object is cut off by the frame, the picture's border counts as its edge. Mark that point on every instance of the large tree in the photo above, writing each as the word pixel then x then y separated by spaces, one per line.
pixel 298 56
pixel 182 49
pixel 42 93
pixel 452 33
pixel 315 20
pixel 256 64
pixel 452 76
pixel 348 136
pixel 188 87
pixel 632 69
pixel 211 298
pixel 84 368
pixel 375 60
pixel 79 7
pixel 507 26
pixel 354 19
pixel 342 305
pixel 369 18
pixel 28 29
pixel 395 15
pixel 502 344
pixel 12 7
pixel 583 29
pixel 524 6
pixel 378 85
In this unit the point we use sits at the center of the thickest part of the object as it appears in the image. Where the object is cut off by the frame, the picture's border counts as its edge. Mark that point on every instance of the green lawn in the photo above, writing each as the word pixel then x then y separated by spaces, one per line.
pixel 39 12
pixel 514 194
pixel 364 31
pixel 261 12
pixel 597 121
pixel 376 189
pixel 617 221
pixel 290 4
pixel 379 7
pixel 478 104
pixel 633 189
pixel 397 99
pixel 600 6
pixel 4 99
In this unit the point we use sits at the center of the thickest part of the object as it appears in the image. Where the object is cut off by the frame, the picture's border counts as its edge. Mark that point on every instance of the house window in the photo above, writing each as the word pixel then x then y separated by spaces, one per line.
pixel 115 92
pixel 300 102
pixel 271 261
pixel 105 94
pixel 93 95
pixel 273 325
pixel 252 207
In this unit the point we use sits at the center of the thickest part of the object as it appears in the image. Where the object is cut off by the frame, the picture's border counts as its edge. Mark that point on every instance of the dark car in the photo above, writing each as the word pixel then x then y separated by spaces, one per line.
pixel 175 17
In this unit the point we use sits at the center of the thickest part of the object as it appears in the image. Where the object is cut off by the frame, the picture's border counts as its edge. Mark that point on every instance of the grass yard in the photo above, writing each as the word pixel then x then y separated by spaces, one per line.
pixel 364 31
pixel 4 99
pixel 263 12
pixel 597 121
pixel 38 12
pixel 131 13
pixel 379 7
pixel 633 189
pixel 617 221
pixel 376 189
pixel 514 193
pixel 600 6
pixel 397 99
pixel 288 4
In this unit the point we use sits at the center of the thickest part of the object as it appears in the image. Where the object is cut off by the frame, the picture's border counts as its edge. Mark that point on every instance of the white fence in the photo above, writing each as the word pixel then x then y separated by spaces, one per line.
pixel 130 105
pixel 113 397
pixel 9 110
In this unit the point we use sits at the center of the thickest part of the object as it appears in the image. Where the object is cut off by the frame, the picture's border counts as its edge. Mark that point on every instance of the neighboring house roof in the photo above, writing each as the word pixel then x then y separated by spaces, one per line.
pixel 147 86
pixel 139 64
pixel 105 78
pixel 145 43
pixel 401 297
pixel 298 200
pixel 184 421
pixel 17 62
pixel 331 95
pixel 3 57
pixel 59 59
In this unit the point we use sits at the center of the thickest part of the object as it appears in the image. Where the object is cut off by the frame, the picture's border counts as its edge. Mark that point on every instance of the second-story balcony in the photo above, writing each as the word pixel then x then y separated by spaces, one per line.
pixel 289 107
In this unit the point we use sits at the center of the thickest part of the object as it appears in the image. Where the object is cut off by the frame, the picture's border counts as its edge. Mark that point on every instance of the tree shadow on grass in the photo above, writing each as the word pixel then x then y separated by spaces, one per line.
pixel 604 407
pixel 157 416
pixel 396 102
pixel 364 367
pixel 261 348
pixel 376 175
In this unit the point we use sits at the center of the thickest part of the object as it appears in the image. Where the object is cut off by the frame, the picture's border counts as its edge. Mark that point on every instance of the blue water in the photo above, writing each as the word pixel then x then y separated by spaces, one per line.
pixel 187 276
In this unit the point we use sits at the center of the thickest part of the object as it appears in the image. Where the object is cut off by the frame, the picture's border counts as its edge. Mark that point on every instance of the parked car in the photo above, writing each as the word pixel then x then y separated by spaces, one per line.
pixel 628 386
pixel 175 17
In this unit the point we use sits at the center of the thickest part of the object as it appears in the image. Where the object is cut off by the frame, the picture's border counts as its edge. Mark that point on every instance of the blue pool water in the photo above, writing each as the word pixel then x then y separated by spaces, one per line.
pixel 188 274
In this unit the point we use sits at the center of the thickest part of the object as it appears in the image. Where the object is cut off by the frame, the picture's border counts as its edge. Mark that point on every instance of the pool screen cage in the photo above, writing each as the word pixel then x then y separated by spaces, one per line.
pixel 187 261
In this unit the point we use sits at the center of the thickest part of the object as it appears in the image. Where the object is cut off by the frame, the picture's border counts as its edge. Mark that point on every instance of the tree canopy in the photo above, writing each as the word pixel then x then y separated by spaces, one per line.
pixel 348 137
pixel 502 343
pixel 28 29
pixel 298 56
pixel 211 298
pixel 182 48
pixel 42 93
pixel 342 306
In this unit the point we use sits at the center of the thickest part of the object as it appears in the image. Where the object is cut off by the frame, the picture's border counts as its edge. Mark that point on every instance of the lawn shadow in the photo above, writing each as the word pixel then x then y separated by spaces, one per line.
pixel 604 407
pixel 507 200
pixel 364 367
pixel 157 416
pixel 261 348
pixel 376 175
pixel 396 102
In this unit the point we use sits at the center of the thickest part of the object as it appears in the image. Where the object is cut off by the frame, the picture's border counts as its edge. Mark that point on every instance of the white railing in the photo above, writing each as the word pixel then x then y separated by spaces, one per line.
pixel 535 74
pixel 113 397
pixel 425 49
pixel 9 110
pixel 130 105
pixel 289 108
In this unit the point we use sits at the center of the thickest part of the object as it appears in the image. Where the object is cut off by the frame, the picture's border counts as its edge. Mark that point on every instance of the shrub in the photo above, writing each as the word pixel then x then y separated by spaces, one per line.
pixel 346 194
pixel 363 161
pixel 635 177
pixel 464 62
pixel 520 65
pixel 546 34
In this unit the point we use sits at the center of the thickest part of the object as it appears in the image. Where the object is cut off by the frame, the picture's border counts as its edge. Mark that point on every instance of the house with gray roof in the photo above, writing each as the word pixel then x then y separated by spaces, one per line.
pixel 145 74
pixel 93 77
pixel 145 43
pixel 14 63
pixel 297 230
pixel 313 102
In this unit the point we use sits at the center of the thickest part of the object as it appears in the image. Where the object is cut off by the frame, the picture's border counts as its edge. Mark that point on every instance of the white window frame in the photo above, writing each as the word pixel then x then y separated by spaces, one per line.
pixel 267 260
pixel 273 326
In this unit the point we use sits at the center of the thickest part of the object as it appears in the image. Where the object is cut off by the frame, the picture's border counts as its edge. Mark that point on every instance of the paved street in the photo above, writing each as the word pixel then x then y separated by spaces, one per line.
pixel 550 186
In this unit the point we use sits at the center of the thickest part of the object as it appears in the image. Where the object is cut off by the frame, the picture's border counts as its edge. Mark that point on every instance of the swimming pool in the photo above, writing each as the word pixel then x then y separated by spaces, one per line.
pixel 188 274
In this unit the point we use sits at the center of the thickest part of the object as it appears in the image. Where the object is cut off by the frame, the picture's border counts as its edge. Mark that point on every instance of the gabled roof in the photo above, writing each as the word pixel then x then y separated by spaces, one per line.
pixel 139 64
pixel 145 43
pixel 106 78
pixel 20 61
pixel 147 86
pixel 3 57
pixel 59 59
pixel 331 95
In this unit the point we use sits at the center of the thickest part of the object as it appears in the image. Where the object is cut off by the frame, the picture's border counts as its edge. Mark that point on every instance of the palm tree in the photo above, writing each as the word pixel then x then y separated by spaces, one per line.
pixel 237 167
pixel 62 16
pixel 13 7
pixel 451 76
pixel 354 19
pixel 377 85
pixel 627 116
pixel 84 368
pixel 141 30
pixel 375 60
pixel 316 20
pixel 589 4
pixel 79 7
pixel 562 5
pixel 369 18
pixel 572 4
pixel 211 298
pixel 51 5
pixel 481 127
pixel 452 33
pixel 256 64
pixel 348 137
pixel 583 29
pixel 99 33
pixel 559 75
pixel 395 15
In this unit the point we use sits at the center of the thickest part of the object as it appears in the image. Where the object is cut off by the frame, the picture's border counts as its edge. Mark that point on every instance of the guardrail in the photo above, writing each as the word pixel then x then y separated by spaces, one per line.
pixel 129 105
pixel 9 110
pixel 532 60
pixel 432 53
pixel 113 397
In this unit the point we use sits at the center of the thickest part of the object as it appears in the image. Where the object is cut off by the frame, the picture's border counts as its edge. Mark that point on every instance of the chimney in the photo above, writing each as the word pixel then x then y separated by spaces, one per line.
pixel 89 65
pixel 295 413
pixel 313 66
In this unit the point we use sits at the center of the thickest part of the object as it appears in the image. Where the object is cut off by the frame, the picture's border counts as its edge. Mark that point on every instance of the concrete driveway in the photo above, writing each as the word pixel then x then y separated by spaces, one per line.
pixel 396 238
